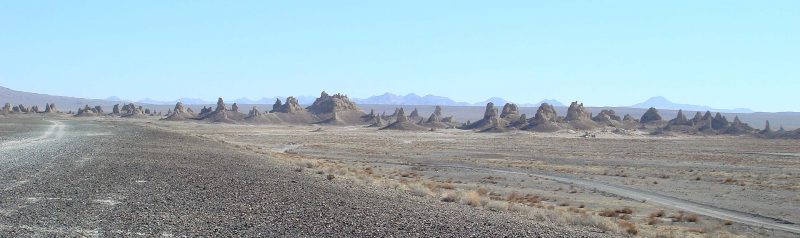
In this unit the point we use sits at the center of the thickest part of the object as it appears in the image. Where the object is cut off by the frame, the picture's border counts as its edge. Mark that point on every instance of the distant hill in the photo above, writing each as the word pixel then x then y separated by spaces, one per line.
pixel 410 99
pixel 663 103
pixel 62 103
pixel 553 102
pixel 433 100
pixel 496 100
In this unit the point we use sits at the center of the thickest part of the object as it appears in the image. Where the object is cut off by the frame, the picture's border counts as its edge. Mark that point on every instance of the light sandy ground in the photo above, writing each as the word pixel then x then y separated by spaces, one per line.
pixel 755 178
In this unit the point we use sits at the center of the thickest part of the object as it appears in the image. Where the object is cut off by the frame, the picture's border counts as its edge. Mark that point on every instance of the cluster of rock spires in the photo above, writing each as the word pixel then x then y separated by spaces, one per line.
pixel 579 118
pixel 8 109
pixel 338 109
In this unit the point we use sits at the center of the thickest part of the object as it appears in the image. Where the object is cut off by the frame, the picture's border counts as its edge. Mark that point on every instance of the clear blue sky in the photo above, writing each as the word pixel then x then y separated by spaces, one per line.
pixel 725 54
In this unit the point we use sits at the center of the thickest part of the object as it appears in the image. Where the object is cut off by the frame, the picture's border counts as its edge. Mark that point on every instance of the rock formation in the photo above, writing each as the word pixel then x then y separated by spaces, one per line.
pixel 254 112
pixel 577 112
pixel 89 111
pixel 276 107
pixel 767 129
pixel 607 117
pixel 379 122
pixel 402 123
pixel 414 114
pixel 235 107
pixel 291 106
pixel 205 111
pixel 719 122
pixel 490 113
pixel 698 117
pixel 650 116
pixel 680 120
pixel 545 113
pixel 510 112
pixel 436 116
pixel 6 109
pixel 115 110
pixel 544 120
pixel 738 128
pixel 329 104
pixel 220 106
pixel 179 113
pixel 628 118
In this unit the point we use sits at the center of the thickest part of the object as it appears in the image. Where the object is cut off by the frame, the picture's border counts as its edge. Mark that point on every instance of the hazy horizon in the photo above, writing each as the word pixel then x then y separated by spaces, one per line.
pixel 721 54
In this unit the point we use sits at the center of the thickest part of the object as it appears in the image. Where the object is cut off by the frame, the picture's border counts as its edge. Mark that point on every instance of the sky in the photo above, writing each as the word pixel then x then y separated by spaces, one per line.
pixel 724 54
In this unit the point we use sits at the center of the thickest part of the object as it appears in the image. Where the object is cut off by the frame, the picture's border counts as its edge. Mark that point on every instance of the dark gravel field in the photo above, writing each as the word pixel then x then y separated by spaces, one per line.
pixel 111 179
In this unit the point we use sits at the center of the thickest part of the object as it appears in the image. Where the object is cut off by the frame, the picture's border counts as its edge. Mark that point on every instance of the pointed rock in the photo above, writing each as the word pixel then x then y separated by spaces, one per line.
pixel 767 129
pixel 414 113
pixel 719 122
pixel 220 105
pixel 650 116
pixel 509 110
pixel 235 107
pixel 291 106
pixel 576 112
pixel 680 120
pixel 545 113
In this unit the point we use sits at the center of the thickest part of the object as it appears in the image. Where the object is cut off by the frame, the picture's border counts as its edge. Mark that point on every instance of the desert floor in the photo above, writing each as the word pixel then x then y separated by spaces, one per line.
pixel 685 185
pixel 122 176
pixel 96 178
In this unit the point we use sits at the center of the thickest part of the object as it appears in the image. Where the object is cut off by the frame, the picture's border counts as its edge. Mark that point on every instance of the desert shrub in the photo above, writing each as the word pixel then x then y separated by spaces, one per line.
pixel 497 206
pixel 607 213
pixel 417 189
pixel 659 213
pixel 449 197
pixel 472 198
pixel 629 227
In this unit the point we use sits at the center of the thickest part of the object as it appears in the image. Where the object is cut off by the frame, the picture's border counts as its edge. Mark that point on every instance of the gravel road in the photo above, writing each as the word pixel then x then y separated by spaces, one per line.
pixel 81 178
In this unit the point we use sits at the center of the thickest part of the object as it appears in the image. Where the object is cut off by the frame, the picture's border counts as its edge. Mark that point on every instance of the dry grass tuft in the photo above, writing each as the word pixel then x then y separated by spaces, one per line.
pixel 497 206
pixel 628 227
pixel 659 213
pixel 420 190
pixel 472 198
pixel 449 197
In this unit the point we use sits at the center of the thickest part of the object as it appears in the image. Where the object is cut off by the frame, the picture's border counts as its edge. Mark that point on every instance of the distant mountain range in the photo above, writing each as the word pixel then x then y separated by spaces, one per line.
pixel 663 103
pixel 62 103
pixel 413 99
pixel 26 98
